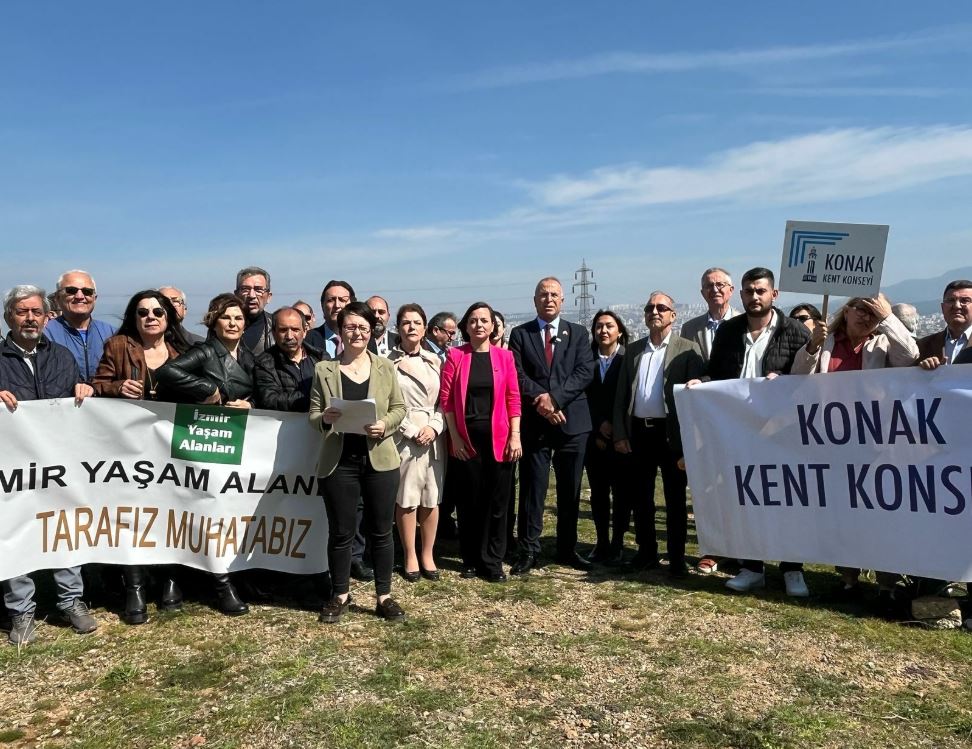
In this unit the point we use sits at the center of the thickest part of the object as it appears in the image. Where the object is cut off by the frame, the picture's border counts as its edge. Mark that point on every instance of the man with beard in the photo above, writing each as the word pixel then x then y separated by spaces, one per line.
pixel 761 343
pixel 381 337
pixel 253 287
pixel 34 368
pixel 285 371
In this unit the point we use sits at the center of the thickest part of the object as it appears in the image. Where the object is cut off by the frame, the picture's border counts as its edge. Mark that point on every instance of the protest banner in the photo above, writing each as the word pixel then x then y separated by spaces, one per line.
pixel 833 259
pixel 135 482
pixel 864 470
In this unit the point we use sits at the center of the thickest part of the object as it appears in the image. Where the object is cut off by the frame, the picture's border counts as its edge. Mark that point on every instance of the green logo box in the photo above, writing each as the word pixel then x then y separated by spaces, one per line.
pixel 209 434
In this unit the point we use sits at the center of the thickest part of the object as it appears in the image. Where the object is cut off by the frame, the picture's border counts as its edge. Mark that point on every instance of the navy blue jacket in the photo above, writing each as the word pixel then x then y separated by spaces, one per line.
pixel 55 371
pixel 567 379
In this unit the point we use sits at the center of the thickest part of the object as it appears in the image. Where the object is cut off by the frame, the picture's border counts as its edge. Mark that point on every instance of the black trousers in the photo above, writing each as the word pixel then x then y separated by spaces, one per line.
pixel 483 504
pixel 605 475
pixel 353 479
pixel 566 453
pixel 651 452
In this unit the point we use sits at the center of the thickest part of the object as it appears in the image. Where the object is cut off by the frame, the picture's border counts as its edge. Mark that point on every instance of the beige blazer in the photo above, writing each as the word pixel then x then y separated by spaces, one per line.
pixel 389 405
pixel 418 377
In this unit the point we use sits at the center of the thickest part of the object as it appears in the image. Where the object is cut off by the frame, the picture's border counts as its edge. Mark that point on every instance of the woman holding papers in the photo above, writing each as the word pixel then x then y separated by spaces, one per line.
pixel 419 446
pixel 358 460
pixel 480 397
pixel 863 335
pixel 149 336
pixel 218 371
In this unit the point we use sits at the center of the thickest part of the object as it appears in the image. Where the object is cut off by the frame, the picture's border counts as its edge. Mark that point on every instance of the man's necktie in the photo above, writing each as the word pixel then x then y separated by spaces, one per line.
pixel 548 344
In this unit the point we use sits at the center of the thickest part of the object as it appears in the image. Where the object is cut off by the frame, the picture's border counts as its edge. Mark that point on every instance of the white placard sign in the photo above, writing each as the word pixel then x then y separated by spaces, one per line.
pixel 838 259
pixel 133 482
pixel 858 469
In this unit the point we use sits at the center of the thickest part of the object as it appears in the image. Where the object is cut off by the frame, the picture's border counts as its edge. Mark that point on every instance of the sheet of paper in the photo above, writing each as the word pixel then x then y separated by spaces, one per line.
pixel 354 415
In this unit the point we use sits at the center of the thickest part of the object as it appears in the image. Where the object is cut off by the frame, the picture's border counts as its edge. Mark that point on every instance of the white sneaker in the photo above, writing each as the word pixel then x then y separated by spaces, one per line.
pixel 796 586
pixel 746 581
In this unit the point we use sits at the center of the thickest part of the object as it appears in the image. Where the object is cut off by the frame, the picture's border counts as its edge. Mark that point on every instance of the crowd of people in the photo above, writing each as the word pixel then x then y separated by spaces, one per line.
pixel 454 422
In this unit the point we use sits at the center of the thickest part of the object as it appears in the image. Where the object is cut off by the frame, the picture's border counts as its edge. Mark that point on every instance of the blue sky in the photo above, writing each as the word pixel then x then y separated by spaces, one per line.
pixel 442 152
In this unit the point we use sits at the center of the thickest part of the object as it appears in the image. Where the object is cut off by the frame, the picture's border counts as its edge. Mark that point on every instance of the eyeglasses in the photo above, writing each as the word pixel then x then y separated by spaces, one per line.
pixel 715 286
pixel 73 290
pixel 801 318
pixel 155 312
pixel 177 301
pixel 862 309
pixel 961 301
pixel 450 333
pixel 352 329
pixel 660 308
pixel 258 290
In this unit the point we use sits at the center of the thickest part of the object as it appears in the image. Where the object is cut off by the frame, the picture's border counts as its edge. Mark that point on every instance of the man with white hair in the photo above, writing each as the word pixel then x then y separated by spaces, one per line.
pixel 34 368
pixel 76 329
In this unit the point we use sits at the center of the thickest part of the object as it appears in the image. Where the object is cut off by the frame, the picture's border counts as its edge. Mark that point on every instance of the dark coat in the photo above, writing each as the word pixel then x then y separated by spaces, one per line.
pixel 566 380
pixel 192 377
pixel 729 350
pixel 277 386
pixel 683 362
pixel 55 371
pixel 600 393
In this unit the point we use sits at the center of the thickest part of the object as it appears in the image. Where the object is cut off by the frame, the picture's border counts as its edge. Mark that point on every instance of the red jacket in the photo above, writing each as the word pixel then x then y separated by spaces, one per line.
pixel 506 393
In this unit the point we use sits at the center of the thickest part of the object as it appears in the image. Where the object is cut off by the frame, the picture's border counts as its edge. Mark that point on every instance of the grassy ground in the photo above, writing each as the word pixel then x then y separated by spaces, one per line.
pixel 559 659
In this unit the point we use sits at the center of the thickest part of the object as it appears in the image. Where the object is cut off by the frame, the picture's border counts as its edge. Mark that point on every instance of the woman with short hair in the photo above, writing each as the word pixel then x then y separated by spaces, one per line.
pixel 217 371
pixel 355 466
pixel 480 397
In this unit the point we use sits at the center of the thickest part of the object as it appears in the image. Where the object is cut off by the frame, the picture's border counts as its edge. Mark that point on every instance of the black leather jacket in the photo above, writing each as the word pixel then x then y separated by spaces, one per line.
pixel 192 377
pixel 276 378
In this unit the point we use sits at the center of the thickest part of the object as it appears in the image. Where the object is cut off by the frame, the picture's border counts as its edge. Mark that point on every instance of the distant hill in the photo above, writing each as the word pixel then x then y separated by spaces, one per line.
pixel 925 293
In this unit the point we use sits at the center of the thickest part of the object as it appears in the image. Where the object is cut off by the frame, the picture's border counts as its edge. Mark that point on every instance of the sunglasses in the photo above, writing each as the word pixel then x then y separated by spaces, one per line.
pixel 72 290
pixel 155 312
pixel 801 318
pixel 660 308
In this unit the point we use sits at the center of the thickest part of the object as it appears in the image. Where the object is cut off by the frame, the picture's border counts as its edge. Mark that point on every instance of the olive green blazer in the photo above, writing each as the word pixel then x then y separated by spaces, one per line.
pixel 389 404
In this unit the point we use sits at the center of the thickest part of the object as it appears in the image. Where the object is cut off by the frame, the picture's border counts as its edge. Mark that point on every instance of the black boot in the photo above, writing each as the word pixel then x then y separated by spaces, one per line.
pixel 171 596
pixel 136 610
pixel 227 599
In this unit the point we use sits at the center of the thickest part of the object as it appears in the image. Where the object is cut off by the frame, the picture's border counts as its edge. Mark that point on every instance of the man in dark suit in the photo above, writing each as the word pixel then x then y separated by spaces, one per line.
pixel 646 425
pixel 555 365
pixel 946 345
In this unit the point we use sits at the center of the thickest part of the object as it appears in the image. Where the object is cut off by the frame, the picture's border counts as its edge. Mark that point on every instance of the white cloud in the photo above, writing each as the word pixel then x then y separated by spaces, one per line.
pixel 839 164
pixel 682 62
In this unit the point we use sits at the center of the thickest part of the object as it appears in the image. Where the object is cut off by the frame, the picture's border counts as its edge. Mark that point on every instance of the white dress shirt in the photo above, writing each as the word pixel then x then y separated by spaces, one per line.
pixel 954 346
pixel 649 395
pixel 756 350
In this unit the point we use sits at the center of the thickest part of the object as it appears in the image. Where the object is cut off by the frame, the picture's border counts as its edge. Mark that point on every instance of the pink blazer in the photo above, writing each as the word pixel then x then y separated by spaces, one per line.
pixel 506 393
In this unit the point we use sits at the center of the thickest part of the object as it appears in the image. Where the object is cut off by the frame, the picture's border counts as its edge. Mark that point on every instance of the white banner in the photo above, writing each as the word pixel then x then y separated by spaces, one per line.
pixel 133 482
pixel 859 469
pixel 841 259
